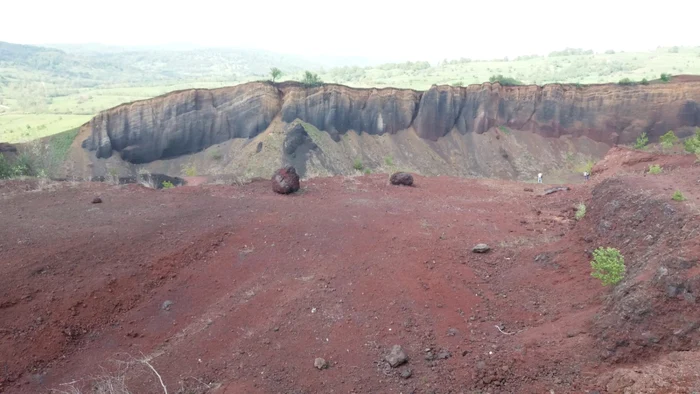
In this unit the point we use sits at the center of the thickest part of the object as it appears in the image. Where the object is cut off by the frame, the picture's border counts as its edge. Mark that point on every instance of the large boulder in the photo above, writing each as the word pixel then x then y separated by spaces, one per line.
pixel 285 180
pixel 401 178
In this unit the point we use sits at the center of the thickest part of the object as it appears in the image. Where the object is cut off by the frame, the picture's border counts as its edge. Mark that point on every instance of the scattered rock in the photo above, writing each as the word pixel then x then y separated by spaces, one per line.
pixel 556 189
pixel 481 248
pixel 320 363
pixel 444 355
pixel 429 356
pixel 285 180
pixel 96 200
pixel 396 357
pixel 401 178
pixel 166 305
pixel 452 332
pixel 406 373
pixel 529 189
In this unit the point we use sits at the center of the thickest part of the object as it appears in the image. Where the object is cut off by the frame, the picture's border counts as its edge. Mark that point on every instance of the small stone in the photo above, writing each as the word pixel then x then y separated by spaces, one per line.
pixel 444 355
pixel 97 200
pixel 406 373
pixel 396 357
pixel 452 332
pixel 166 305
pixel 320 363
pixel 401 178
pixel 481 248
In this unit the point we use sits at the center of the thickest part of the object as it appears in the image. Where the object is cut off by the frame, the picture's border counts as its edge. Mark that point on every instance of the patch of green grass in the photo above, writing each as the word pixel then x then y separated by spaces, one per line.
pixel 504 130
pixel 655 169
pixel 580 211
pixel 608 265
pixel 168 185
pixel 189 170
pixel 358 165
pixel 678 196
pixel 389 161
pixel 16 128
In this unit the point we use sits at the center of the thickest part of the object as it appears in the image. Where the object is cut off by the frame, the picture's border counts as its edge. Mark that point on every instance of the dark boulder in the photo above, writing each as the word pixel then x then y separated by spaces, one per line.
pixel 97 200
pixel 401 178
pixel 285 180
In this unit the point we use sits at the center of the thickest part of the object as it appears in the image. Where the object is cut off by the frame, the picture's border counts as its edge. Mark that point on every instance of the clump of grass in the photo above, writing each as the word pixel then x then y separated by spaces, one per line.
pixel 216 156
pixel 389 161
pixel 358 165
pixel 368 171
pixel 608 265
pixel 168 185
pixel 678 196
pixel 580 211
pixel 190 170
pixel 655 169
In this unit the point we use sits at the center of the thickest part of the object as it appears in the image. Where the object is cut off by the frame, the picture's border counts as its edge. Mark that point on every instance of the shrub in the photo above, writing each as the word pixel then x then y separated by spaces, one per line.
pixel 642 141
pixel 168 185
pixel 580 211
pixel 368 171
pixel 644 81
pixel 655 169
pixel 311 79
pixel 608 265
pixel 389 161
pixel 458 84
pixel 678 196
pixel 668 139
pixel 358 165
pixel 505 81
pixel 190 170
pixel 216 156
pixel 5 168
pixel 692 144
pixel 665 77
pixel 275 73
pixel 626 81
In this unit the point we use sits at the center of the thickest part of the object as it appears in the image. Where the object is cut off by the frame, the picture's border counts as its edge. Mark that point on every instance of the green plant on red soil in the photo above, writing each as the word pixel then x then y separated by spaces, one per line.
pixel 608 265
pixel 642 141
pixel 168 185
pixel 358 165
pixel 655 169
pixel 667 140
pixel 580 211
pixel 692 144
pixel 678 196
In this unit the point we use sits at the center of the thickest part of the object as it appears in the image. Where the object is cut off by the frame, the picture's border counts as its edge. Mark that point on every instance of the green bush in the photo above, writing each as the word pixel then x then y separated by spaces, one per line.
pixel 655 169
pixel 275 73
pixel 668 139
pixel 389 161
pixel 358 165
pixel 368 171
pixel 505 81
pixel 665 77
pixel 626 81
pixel 678 196
pixel 642 141
pixel 644 81
pixel 580 211
pixel 608 265
pixel 692 144
pixel 311 79
pixel 6 170
pixel 168 185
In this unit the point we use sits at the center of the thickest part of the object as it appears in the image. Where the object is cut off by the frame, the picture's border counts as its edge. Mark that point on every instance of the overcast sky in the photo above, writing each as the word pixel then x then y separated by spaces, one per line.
pixel 427 30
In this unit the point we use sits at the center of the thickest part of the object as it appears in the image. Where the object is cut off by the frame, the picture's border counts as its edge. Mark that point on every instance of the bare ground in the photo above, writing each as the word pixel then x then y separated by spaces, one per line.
pixel 258 285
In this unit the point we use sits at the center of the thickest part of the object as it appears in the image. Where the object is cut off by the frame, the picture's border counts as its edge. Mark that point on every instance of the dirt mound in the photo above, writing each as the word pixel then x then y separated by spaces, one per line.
pixel 230 289
pixel 620 159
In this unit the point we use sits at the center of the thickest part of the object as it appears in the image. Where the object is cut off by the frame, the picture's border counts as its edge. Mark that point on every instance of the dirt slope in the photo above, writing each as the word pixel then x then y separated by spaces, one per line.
pixel 259 285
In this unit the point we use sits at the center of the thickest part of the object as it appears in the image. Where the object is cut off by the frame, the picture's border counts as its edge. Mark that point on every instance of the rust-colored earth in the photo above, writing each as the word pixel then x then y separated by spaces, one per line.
pixel 235 289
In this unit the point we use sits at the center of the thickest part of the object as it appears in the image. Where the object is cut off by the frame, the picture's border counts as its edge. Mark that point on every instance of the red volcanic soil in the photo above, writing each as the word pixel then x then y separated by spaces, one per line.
pixel 236 289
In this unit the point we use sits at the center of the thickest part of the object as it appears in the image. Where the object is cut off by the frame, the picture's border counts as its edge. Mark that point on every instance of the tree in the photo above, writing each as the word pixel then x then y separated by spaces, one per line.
pixel 665 77
pixel 311 79
pixel 642 141
pixel 275 73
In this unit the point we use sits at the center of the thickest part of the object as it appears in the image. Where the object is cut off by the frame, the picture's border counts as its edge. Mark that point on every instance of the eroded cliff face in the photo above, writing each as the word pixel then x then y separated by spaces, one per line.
pixel 185 122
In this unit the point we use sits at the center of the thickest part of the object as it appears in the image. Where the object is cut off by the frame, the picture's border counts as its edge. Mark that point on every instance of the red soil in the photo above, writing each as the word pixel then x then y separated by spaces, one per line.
pixel 261 284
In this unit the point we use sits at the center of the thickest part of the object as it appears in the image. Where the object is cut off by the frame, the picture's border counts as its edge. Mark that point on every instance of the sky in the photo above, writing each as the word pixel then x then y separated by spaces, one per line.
pixel 427 30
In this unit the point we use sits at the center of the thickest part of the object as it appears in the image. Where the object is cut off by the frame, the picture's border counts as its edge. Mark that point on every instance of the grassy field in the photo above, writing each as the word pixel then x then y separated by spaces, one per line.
pixel 44 91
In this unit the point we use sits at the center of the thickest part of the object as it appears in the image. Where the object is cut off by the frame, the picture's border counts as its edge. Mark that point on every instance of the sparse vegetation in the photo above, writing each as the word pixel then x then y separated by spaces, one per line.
pixel 358 165
pixel 678 196
pixel 189 170
pixel 667 140
pixel 311 79
pixel 389 161
pixel 368 171
pixel 580 211
pixel 168 185
pixel 644 81
pixel 665 77
pixel 216 155
pixel 692 144
pixel 275 73
pixel 504 129
pixel 626 81
pixel 655 169
pixel 642 141
pixel 586 167
pixel 505 81
pixel 608 265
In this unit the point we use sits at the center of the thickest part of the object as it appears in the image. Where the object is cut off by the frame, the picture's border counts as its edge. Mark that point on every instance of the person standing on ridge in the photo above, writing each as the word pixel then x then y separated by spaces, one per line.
pixel 586 175
pixel 539 178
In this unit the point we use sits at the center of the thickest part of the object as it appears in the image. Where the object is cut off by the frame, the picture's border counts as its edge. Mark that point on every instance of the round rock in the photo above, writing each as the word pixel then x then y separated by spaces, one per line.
pixel 396 357
pixel 401 178
pixel 481 248
pixel 96 200
pixel 320 363
pixel 285 180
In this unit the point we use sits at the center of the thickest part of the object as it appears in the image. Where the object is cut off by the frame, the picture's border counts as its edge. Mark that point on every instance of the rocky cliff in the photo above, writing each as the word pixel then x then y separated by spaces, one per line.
pixel 185 122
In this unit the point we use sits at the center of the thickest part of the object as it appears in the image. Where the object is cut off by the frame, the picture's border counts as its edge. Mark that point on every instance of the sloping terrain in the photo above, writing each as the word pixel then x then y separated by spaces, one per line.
pixel 233 289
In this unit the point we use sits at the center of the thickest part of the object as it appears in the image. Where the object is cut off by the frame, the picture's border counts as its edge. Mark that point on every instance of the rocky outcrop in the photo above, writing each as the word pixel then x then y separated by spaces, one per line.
pixel 184 122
